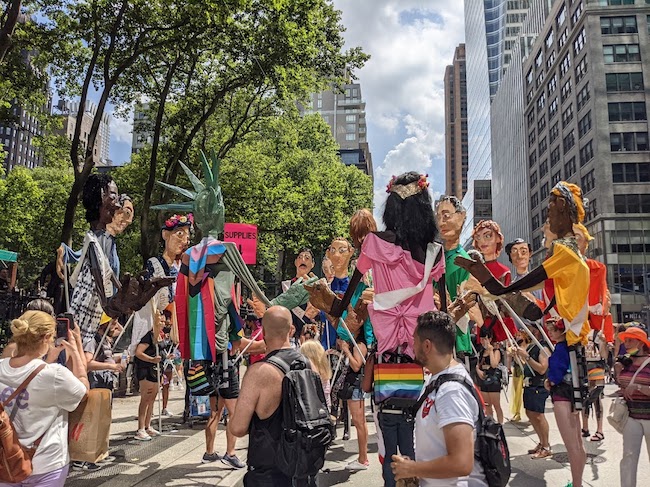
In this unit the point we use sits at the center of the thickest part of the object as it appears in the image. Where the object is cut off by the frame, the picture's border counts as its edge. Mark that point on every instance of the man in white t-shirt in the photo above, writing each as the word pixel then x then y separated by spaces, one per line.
pixel 445 423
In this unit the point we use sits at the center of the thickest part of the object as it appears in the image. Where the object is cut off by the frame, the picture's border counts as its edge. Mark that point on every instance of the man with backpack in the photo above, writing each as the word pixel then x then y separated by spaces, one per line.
pixel 282 408
pixel 446 414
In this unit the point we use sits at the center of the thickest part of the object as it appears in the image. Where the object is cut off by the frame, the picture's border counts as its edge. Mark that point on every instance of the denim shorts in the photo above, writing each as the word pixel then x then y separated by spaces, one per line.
pixel 359 395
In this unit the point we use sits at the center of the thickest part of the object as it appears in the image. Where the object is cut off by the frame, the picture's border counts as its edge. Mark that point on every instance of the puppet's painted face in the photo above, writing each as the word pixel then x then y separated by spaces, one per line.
pixel 548 235
pixel 328 269
pixel 520 255
pixel 340 253
pixel 304 264
pixel 176 240
pixel 122 219
pixel 450 221
pixel 486 240
pixel 582 242
pixel 110 203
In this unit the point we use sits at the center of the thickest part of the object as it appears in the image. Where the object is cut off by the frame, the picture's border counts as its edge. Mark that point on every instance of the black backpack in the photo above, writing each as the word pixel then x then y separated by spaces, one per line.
pixel 491 447
pixel 307 430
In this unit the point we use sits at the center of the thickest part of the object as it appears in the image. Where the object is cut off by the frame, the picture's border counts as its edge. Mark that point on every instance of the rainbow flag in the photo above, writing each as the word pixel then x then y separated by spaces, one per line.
pixel 403 381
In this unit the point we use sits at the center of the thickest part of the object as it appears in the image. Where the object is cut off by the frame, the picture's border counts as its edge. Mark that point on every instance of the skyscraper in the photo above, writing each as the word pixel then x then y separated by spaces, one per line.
pixel 456 125
pixel 586 120
pixel 18 138
pixel 344 111
pixel 69 112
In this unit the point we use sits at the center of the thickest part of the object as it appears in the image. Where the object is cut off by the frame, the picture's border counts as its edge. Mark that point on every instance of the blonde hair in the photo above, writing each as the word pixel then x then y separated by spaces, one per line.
pixel 31 328
pixel 315 352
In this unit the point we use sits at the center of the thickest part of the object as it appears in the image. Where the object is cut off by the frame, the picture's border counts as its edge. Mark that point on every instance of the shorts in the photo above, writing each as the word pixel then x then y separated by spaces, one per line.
pixel 535 399
pixel 147 373
pixel 492 382
pixel 358 395
pixel 225 387
pixel 562 393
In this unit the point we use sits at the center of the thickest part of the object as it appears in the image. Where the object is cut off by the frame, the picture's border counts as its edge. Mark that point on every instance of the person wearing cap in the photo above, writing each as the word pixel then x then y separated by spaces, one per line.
pixel 637 396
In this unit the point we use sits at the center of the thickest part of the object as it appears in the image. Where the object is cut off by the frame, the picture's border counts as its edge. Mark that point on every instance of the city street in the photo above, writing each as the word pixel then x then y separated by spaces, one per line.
pixel 174 459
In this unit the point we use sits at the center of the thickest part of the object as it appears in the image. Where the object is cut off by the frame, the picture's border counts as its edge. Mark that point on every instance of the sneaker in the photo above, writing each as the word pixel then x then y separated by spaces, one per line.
pixel 232 461
pixel 356 466
pixel 210 457
pixel 166 413
pixel 87 466
pixel 152 432
pixel 346 436
pixel 535 450
pixel 142 435
pixel 107 460
pixel 543 453
pixel 585 433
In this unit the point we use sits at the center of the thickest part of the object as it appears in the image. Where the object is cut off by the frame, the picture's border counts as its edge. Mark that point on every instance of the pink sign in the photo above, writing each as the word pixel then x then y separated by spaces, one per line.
pixel 245 237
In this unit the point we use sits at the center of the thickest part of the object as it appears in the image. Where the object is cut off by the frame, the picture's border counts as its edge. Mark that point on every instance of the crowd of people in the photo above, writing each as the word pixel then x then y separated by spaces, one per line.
pixel 405 318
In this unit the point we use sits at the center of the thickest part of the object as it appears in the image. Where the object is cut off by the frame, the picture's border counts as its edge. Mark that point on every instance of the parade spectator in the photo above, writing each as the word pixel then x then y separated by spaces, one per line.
pixel 559 384
pixel 166 348
pixel 147 361
pixel 356 402
pixel 637 396
pixel 257 334
pixel 596 353
pixel 489 374
pixel 535 361
pixel 320 364
pixel 259 413
pixel 53 393
pixel 445 429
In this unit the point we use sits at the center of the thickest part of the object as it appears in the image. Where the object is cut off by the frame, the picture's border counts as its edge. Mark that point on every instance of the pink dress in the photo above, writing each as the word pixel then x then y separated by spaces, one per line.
pixel 394 268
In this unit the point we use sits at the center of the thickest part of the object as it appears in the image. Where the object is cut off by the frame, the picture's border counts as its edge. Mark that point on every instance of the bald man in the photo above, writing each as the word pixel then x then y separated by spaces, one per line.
pixel 258 410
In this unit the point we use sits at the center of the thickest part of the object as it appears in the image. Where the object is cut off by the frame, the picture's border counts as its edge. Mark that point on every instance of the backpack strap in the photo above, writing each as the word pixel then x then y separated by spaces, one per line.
pixel 279 363
pixel 469 386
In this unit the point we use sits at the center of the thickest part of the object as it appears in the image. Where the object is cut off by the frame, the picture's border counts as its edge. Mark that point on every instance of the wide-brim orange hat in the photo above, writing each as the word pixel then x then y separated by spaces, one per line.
pixel 635 333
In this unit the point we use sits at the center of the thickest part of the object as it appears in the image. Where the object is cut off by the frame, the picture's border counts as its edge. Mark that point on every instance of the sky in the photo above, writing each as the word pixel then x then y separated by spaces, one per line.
pixel 410 43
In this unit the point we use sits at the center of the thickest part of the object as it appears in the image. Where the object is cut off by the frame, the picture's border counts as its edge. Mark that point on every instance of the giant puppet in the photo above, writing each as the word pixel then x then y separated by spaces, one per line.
pixel 204 292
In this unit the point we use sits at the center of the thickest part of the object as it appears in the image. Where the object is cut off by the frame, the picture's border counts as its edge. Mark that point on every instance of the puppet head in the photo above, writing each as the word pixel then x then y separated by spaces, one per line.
pixel 176 233
pixel 328 269
pixel 361 224
pixel 519 254
pixel 450 216
pixel 340 252
pixel 408 212
pixel 123 216
pixel 566 207
pixel 583 237
pixel 488 239
pixel 100 198
pixel 207 200
pixel 304 262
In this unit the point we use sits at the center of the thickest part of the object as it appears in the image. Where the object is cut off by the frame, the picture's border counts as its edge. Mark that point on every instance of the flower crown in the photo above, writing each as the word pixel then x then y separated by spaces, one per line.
pixel 179 221
pixel 410 189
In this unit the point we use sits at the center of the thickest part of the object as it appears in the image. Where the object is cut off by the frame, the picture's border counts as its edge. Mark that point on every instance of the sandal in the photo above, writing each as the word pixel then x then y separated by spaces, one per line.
pixel 585 433
pixel 598 436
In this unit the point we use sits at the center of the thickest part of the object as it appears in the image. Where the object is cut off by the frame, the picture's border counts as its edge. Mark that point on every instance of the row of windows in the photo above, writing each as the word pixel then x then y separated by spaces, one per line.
pixel 618 25
pixel 616 82
pixel 631 172
pixel 626 111
pixel 621 53
pixel 628 141
pixel 632 203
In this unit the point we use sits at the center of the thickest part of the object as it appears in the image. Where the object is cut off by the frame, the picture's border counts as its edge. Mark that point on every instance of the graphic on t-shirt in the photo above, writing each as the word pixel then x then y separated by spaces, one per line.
pixel 21 399
pixel 428 402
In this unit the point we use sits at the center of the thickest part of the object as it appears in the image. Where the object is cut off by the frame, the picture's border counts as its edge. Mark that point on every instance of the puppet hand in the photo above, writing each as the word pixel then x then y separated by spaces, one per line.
pixel 475 268
pixel 320 294
pixel 259 308
pixel 596 309
pixel 295 296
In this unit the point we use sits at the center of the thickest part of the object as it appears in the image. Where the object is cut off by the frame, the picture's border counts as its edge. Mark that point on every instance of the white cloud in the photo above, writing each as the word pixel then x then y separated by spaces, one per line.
pixel 410 43
pixel 122 127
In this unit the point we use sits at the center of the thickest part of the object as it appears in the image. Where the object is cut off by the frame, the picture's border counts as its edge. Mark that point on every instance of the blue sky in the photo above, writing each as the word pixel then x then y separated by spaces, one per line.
pixel 410 43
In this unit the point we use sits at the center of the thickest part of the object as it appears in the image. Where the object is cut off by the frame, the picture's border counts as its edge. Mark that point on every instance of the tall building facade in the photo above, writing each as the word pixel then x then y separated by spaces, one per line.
pixel 344 111
pixel 586 117
pixel 18 137
pixel 490 29
pixel 68 112
pixel 456 157
pixel 510 200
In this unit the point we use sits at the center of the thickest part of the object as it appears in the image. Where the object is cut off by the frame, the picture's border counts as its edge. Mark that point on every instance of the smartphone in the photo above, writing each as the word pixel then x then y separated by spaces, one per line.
pixel 70 317
pixel 62 329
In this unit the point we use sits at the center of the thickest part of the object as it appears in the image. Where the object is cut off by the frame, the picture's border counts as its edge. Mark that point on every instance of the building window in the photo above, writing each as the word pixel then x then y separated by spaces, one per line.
pixel 537 242
pixel 570 167
pixel 555 156
pixel 591 210
pixel 579 43
pixel 350 127
pixel 532 158
pixel 544 191
pixel 542 146
pixel 588 182
pixel 586 153
pixel 581 69
pixel 621 53
pixel 628 141
pixel 563 38
pixel 631 172
pixel 632 203
pixel 531 118
pixel 539 59
pixel 543 168
pixel 351 118
pixel 534 200
pixel 584 125
pixel 550 60
pixel 565 64
pixel 567 116
pixel 533 179
pixel 535 222
pixel 548 42
pixel 529 77
pixel 624 82
pixel 561 17
pixel 604 3
pixel 566 90
pixel 583 97
pixel 556 178
pixel 554 132
pixel 627 111
pixel 541 103
pixel 618 25
pixel 541 124
pixel 350 136
pixel 319 103
pixel 569 141
pixel 531 138
pixel 540 78
pixel 576 14
pixel 552 109
pixel 552 84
